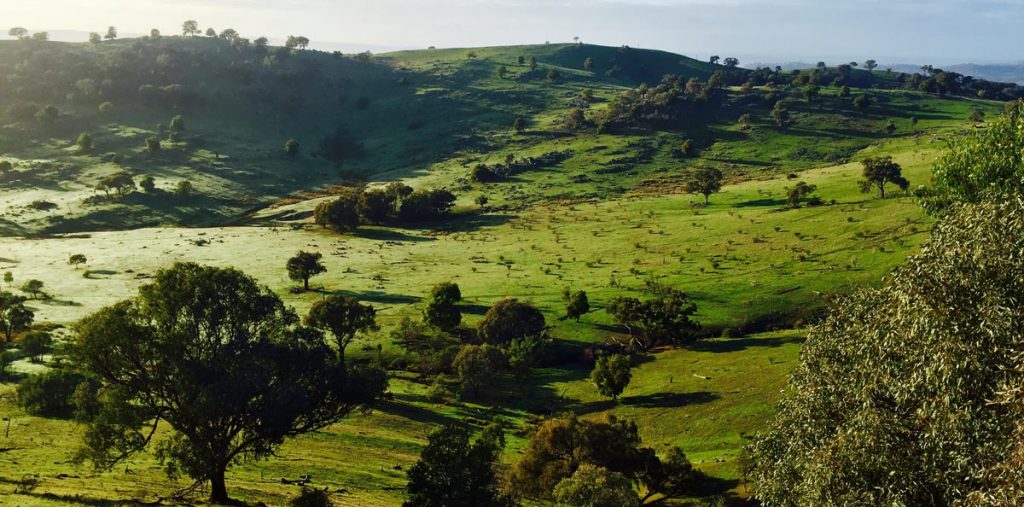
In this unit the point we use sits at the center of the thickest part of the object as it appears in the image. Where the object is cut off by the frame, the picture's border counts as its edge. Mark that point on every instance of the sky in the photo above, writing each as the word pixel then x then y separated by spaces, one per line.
pixel 939 32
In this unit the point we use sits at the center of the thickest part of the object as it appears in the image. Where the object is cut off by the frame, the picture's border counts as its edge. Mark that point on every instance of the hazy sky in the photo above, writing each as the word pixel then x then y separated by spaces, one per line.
pixel 891 31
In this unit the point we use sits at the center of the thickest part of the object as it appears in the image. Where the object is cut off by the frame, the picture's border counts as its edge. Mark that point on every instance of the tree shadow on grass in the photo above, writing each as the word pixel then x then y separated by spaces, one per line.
pixel 84 500
pixel 670 400
pixel 391 235
pixel 760 203
pixel 402 406
pixel 378 297
pixel 739 344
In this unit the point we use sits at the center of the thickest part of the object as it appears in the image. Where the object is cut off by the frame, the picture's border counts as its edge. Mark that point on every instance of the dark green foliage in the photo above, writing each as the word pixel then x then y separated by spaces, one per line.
pixel 177 124
pixel 152 144
pixel 5 167
pixel 878 172
pixel 664 320
pixel 51 394
pixel 15 317
pixel 229 346
pixel 376 205
pixel 34 288
pixel 477 366
pixel 291 148
pixel 84 142
pixel 343 317
pixel 341 214
pixel 797 192
pixel 35 343
pixel 704 181
pixel 892 403
pixel 510 319
pixel 576 303
pixel 77 260
pixel 594 486
pixel 612 374
pixel 519 125
pixel 664 105
pixel 424 205
pixel 120 182
pixel 781 116
pixel 862 102
pixel 442 311
pixel 558 448
pixel 312 497
pixel 340 146
pixel 452 472
pixel 184 189
pixel 148 184
pixel 305 265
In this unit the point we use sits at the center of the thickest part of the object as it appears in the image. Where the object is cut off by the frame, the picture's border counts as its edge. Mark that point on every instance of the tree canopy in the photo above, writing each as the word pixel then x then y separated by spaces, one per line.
pixel 252 376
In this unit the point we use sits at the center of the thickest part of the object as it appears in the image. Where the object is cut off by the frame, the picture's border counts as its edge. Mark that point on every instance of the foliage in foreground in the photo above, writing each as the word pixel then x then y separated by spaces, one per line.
pixel 452 471
pixel 892 403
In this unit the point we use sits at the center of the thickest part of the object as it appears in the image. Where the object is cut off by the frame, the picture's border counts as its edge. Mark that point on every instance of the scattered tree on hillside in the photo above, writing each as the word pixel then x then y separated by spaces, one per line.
pixel 184 189
pixel 890 128
pixel 111 33
pixel 426 205
pixel 291 148
pixel 18 33
pixel 305 265
pixel 148 184
pixel 519 125
pixel 210 32
pixel 704 181
pixel 294 42
pixel 575 119
pixel 611 374
pixel 8 278
pixel 229 34
pixel 442 311
pixel 453 472
pixel 508 320
pixel 588 64
pixel 14 316
pixel 533 63
pixel 34 288
pixel 152 144
pixel 343 317
pixel 77 260
pixel 84 142
pixel 559 447
pixel 502 72
pixel 476 366
pixel 576 303
pixel 797 192
pixel 781 116
pixel 976 116
pixel 812 93
pixel 189 28
pixel 120 182
pixel 844 91
pixel 714 60
pixel 862 102
pixel 5 167
pixel 95 38
pixel 35 344
pixel 53 393
pixel 341 214
pixel 731 62
pixel 47 115
pixel 154 34
pixel 41 36
pixel 880 171
pixel 177 123
pixel 664 320
pixel 227 345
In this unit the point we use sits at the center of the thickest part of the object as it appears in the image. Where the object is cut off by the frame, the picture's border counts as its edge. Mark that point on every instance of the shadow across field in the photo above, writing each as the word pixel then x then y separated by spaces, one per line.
pixel 740 344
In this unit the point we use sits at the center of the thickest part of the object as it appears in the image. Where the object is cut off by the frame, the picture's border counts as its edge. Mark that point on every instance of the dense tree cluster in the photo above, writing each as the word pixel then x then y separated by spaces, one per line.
pixel 395 202
pixel 662 320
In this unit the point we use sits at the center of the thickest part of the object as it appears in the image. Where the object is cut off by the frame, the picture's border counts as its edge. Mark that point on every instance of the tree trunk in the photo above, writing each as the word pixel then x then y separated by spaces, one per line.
pixel 218 490
pixel 305 283
pixel 881 187
pixel 707 199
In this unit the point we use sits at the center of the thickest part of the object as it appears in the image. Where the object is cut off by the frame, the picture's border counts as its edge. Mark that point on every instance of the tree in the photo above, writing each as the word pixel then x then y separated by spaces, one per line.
pixel 663 320
pixel 252 378
pixel 229 34
pixel 576 303
pixel 152 144
pixel 519 125
pixel 84 142
pixel 14 316
pixel 904 389
pixel 553 74
pixel 154 34
pixel 812 93
pixel 189 28
pixel 105 107
pixel 880 171
pixel 148 184
pixel 77 260
pixel 890 128
pixel 121 182
pixel 36 343
pixel 343 317
pixel 94 38
pixel 844 92
pixel 426 205
pixel 731 63
pixel 376 206
pixel 18 33
pixel 48 115
pixel 714 60
pixel 184 189
pixel 594 486
pixel 305 265
pixel 704 181
pixel 34 288
pixel 294 42
pixel 291 148
pixel 588 64
pixel 5 167
pixel 8 277
pixel 575 119
pixel 441 310
pixel 452 472
pixel 797 192
pixel 476 365
pixel 612 374
pixel 52 394
pixel 210 32
pixel 177 124
pixel 111 33
pixel 982 164
pixel 533 63
pixel 559 447
pixel 871 65
pixel 976 116
pixel 502 71
pixel 862 102
pixel 781 115
pixel 341 214
pixel 510 319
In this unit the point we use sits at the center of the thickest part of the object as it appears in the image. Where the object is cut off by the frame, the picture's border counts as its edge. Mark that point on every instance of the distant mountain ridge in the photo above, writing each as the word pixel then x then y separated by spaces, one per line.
pixel 999 72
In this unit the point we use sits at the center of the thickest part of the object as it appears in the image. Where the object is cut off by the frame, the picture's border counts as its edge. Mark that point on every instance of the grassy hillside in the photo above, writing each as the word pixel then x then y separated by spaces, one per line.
pixel 611 217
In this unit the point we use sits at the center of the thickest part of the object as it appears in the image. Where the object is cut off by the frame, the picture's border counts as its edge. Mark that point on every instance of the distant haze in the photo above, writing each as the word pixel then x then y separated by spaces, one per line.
pixel 939 32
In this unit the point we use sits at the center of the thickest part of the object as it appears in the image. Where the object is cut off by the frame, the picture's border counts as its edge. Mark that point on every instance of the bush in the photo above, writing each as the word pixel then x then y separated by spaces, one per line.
pixel 312 497
pixel 50 394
